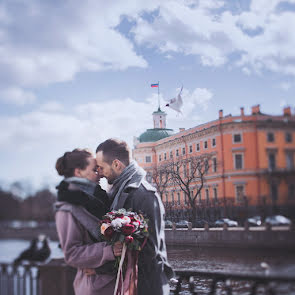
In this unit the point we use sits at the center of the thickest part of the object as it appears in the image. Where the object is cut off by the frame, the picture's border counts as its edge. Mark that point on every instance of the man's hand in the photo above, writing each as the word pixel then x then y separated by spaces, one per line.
pixel 117 248
pixel 89 271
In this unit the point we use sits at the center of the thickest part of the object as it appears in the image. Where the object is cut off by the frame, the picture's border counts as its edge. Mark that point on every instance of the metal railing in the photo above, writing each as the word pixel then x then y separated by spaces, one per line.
pixel 19 280
pixel 57 278
pixel 205 282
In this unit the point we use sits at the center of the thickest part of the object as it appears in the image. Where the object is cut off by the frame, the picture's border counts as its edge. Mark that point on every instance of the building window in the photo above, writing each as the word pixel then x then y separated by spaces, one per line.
pixel 239 193
pixel 165 156
pixel 237 138
pixel 207 195
pixel 171 155
pixel 274 192
pixel 214 165
pixel 289 160
pixel 160 158
pixel 192 196
pixel 178 198
pixel 190 148
pixel 205 144
pixel 270 137
pixel 200 198
pixel 271 161
pixel 291 191
pixel 183 151
pixel 166 198
pixel 197 147
pixel 184 170
pixel 288 137
pixel 177 153
pixel 190 169
pixel 238 161
pixel 172 197
pixel 215 194
pixel 206 165
pixel 213 142
pixel 148 159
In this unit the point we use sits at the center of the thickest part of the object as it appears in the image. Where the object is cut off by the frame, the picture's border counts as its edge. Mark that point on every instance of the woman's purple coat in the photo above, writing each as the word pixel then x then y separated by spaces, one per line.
pixel 81 252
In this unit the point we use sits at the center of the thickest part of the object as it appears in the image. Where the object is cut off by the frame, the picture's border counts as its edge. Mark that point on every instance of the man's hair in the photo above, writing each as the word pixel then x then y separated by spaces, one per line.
pixel 114 149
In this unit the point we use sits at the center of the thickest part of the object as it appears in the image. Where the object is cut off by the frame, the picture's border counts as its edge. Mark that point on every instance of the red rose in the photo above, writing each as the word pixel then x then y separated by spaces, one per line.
pixel 108 232
pixel 128 229
pixel 128 239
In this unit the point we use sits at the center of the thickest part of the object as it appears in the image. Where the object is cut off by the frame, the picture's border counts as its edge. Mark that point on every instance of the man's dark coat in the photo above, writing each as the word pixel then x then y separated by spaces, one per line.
pixel 154 270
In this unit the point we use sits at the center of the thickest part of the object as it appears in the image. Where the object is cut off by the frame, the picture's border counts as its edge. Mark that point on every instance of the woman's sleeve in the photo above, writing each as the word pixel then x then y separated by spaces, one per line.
pixel 78 254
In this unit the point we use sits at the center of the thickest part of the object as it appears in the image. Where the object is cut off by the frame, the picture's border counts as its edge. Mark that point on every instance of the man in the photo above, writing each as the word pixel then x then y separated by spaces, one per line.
pixel 131 191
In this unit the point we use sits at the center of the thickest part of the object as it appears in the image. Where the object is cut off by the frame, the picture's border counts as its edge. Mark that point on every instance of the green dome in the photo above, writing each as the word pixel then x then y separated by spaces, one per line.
pixel 155 134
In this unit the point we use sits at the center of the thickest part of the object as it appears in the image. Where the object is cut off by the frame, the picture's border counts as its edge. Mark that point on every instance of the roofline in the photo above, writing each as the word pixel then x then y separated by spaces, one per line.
pixel 221 121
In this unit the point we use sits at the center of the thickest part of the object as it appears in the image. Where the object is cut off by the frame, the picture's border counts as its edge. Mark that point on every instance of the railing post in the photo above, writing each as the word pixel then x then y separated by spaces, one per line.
pixel 56 278
pixel 246 225
pixel 189 226
pixel 173 226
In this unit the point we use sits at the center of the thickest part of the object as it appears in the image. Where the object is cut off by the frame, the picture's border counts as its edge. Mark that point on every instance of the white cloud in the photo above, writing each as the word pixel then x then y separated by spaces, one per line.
pixel 16 96
pixel 194 105
pixel 283 103
pixel 39 137
pixel 261 38
pixel 43 43
pixel 285 86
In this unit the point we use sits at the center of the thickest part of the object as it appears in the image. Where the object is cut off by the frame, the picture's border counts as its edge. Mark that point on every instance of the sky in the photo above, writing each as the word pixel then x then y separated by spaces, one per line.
pixel 74 73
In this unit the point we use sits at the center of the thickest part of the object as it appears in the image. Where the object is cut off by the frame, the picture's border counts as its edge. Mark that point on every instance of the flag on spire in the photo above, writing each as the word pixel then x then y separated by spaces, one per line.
pixel 155 85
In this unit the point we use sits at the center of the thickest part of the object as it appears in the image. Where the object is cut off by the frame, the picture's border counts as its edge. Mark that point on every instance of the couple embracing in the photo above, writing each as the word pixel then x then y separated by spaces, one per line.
pixel 81 205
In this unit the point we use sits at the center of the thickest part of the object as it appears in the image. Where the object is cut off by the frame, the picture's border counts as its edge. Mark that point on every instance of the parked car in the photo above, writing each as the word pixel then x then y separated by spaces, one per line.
pixel 168 224
pixel 254 221
pixel 277 220
pixel 182 224
pixel 229 222
pixel 202 222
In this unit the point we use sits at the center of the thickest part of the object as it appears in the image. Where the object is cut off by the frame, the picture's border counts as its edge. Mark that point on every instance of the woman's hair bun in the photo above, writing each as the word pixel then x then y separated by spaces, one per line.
pixel 66 165
pixel 60 165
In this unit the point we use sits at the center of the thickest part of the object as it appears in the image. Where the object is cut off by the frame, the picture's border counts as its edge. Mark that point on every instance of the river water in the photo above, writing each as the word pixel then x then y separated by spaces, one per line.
pixel 231 260
pixel 193 258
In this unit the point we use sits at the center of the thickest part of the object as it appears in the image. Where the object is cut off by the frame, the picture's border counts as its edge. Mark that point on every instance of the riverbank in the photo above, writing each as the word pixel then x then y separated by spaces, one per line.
pixel 236 237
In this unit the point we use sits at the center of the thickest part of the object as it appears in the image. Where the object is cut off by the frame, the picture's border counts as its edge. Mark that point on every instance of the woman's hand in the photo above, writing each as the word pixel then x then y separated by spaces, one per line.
pixel 117 248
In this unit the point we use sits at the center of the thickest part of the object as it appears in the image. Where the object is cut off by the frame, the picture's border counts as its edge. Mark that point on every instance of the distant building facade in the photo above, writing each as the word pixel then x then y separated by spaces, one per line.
pixel 252 156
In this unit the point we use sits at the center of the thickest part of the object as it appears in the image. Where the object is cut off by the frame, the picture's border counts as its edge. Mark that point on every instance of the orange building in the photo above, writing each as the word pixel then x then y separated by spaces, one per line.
pixel 252 155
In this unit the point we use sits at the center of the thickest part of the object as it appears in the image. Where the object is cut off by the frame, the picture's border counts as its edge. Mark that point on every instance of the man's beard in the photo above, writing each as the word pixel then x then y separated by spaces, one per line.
pixel 112 177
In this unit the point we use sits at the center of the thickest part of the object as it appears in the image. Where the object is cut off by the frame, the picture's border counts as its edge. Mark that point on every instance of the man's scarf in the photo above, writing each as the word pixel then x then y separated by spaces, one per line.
pixel 132 174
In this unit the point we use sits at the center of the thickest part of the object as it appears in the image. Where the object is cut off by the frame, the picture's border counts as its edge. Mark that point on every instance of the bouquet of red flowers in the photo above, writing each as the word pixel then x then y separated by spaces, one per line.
pixel 125 226
pixel 131 229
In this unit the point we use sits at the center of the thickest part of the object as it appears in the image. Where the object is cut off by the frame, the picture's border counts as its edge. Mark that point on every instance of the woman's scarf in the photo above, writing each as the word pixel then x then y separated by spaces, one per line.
pixel 132 173
pixel 83 192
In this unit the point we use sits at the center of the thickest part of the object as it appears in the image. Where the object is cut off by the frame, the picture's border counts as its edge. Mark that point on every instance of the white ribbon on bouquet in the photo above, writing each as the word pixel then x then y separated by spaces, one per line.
pixel 120 272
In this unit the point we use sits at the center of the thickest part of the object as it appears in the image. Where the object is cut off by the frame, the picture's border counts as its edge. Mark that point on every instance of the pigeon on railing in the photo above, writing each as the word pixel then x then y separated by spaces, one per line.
pixel 43 253
pixel 33 253
pixel 27 254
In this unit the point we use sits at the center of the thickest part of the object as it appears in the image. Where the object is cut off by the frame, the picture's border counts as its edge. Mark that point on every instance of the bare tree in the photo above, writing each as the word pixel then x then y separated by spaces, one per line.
pixel 189 174
pixel 160 178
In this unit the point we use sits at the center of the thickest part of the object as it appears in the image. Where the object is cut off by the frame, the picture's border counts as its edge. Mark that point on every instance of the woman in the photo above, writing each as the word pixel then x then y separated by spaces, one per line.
pixel 81 203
